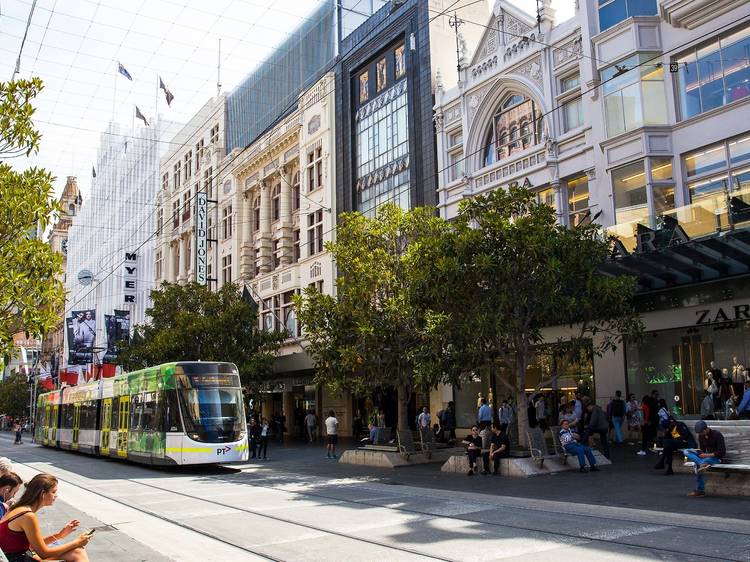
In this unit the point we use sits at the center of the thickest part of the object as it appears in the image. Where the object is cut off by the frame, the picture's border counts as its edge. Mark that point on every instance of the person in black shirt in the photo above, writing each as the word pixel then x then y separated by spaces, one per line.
pixel 499 447
pixel 473 449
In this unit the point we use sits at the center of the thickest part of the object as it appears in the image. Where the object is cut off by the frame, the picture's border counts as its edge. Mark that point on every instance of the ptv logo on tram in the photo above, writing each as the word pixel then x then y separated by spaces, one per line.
pixel 223 450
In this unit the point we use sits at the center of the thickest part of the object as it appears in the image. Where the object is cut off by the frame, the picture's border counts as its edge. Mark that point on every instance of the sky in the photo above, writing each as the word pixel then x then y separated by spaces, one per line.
pixel 75 45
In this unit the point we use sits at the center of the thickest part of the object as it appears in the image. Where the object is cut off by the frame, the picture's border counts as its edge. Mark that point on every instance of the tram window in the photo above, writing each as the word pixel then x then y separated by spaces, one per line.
pixel 136 412
pixel 88 415
pixel 150 417
pixel 114 420
pixel 67 416
pixel 171 413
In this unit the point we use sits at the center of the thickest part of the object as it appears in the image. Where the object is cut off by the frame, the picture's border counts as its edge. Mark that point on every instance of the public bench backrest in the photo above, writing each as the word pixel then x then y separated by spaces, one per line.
pixel 427 438
pixel 555 431
pixel 537 442
pixel 736 440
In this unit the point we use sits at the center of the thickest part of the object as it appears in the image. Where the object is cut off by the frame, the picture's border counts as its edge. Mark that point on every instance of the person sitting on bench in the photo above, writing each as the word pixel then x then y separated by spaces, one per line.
pixel 473 449
pixel 572 446
pixel 373 435
pixel 499 447
pixel 712 450
pixel 677 436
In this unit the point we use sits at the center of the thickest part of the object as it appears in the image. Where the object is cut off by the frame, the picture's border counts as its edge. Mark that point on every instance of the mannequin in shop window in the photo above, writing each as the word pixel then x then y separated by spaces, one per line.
pixel 738 377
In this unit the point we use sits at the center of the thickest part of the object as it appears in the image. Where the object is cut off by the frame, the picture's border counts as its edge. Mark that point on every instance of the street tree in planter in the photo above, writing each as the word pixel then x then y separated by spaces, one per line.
pixel 190 323
pixel 371 334
pixel 506 270
pixel 31 290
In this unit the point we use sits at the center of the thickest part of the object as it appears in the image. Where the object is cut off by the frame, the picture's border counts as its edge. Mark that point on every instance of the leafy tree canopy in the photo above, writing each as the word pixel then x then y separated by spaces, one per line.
pixel 373 332
pixel 31 292
pixel 506 271
pixel 14 396
pixel 191 322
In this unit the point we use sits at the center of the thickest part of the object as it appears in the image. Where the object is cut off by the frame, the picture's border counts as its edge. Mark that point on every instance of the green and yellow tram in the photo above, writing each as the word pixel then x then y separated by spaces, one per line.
pixel 188 412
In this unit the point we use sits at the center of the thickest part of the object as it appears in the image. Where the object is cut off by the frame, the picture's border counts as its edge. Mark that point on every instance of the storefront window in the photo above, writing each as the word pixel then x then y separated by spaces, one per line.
pixel 719 167
pixel 675 362
pixel 629 186
pixel 634 95
pixel 578 199
pixel 715 73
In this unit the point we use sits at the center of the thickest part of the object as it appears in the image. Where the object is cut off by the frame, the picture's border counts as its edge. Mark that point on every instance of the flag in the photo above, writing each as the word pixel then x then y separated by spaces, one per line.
pixel 122 70
pixel 247 297
pixel 108 370
pixel 167 93
pixel 93 172
pixel 139 115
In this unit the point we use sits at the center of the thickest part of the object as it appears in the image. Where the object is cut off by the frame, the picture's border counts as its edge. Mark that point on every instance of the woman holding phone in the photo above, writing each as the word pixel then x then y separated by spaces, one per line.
pixel 20 531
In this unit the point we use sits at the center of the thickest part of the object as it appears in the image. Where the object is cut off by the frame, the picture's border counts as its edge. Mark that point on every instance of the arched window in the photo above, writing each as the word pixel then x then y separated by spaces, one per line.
pixel 276 202
pixel 514 110
pixel 256 214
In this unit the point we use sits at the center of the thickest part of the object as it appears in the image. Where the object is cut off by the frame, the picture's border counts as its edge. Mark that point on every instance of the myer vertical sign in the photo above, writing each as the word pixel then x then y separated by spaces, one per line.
pixel 131 277
pixel 201 242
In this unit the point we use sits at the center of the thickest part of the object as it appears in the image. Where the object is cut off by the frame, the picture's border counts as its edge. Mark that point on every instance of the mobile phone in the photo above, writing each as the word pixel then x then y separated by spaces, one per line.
pixel 90 532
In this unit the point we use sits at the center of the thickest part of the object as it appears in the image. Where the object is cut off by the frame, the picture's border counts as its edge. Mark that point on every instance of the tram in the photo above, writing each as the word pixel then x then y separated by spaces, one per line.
pixel 182 413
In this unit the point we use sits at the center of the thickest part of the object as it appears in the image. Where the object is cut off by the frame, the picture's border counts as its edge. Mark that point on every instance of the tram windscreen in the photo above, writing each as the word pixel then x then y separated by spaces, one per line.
pixel 212 415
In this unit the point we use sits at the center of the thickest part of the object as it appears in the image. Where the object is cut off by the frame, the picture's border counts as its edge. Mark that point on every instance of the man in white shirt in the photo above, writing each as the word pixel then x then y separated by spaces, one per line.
pixel 310 423
pixel 424 420
pixel 332 428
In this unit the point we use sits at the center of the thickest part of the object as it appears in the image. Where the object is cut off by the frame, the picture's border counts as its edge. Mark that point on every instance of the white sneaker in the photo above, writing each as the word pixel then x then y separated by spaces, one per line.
pixel 689 463
pixel 641 453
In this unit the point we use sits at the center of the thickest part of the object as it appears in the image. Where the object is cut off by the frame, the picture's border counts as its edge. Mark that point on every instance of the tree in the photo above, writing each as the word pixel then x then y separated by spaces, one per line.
pixel 31 292
pixel 372 333
pixel 14 396
pixel 191 322
pixel 505 272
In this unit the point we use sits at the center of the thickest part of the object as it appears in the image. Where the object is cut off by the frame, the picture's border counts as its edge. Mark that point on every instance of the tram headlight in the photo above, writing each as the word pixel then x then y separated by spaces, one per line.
pixel 194 436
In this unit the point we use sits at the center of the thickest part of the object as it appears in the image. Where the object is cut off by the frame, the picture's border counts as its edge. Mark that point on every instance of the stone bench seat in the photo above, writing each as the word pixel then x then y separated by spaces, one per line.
pixel 731 477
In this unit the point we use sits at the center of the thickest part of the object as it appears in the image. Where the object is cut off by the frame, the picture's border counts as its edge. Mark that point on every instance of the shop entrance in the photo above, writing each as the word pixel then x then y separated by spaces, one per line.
pixel 691 359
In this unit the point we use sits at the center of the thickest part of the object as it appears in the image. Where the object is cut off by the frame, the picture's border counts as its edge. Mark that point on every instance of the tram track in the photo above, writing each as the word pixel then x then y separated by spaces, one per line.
pixel 481 506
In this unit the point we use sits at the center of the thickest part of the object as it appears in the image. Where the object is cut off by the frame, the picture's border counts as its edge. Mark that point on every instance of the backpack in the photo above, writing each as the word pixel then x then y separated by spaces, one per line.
pixel 618 409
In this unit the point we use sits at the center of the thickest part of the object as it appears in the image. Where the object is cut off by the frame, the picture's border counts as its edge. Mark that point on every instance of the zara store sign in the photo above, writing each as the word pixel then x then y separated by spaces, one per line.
pixel 723 314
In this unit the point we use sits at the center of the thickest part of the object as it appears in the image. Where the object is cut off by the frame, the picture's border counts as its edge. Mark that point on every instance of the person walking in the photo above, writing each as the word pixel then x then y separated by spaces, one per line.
pixel 484 414
pixel 712 450
pixel 570 442
pixel 424 420
pixel 253 436
pixel 598 425
pixel 17 429
pixel 635 418
pixel 310 424
pixel 265 433
pixel 540 407
pixel 332 429
pixel 505 415
pixel 617 411
pixel 447 419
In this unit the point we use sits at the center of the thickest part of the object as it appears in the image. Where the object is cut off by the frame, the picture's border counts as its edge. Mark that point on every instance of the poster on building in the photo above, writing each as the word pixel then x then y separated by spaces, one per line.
pixel 117 327
pixel 81 327
pixel 201 240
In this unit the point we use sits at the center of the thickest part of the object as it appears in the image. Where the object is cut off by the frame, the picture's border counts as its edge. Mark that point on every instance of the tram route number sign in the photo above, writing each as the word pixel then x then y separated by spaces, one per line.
pixel 201 238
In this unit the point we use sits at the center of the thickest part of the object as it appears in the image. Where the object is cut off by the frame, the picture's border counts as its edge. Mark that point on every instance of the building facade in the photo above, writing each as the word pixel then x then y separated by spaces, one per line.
pixel 636 115
pixel 111 240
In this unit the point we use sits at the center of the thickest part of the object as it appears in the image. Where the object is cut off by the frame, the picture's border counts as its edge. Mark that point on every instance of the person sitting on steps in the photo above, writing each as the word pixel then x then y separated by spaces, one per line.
pixel 473 449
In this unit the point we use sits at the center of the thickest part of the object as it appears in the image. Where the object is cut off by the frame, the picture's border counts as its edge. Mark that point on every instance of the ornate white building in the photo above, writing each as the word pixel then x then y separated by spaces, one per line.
pixel 635 113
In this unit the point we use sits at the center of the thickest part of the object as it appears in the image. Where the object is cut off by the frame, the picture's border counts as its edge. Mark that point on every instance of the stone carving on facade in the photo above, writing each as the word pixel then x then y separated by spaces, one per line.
pixel 438 119
pixel 569 51
pixel 486 66
pixel 381 100
pixel 453 113
pixel 591 174
pixel 314 124
pixel 490 45
pixel 550 146
pixel 532 69
pixel 521 45
pixel 513 26
pixel 475 99
pixel 383 173
pixel 275 282
pixel 316 270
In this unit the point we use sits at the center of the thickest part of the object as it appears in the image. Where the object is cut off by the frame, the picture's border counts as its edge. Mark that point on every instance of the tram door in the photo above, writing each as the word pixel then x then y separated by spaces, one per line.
pixel 53 423
pixel 123 419
pixel 45 429
pixel 76 424
pixel 106 425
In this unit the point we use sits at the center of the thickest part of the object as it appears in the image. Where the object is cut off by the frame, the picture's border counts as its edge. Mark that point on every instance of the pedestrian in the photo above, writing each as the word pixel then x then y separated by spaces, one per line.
pixel 253 436
pixel 677 436
pixel 332 429
pixel 663 413
pixel 531 411
pixel 20 529
pixel 570 442
pixel 381 418
pixel 310 423
pixel 17 429
pixel 505 415
pixel 424 420
pixel 711 450
pixel 10 482
pixel 617 412
pixel 648 429
pixel 473 444
pixel 486 436
pixel 540 407
pixel 484 414
pixel 447 419
pixel 743 410
pixel 499 447
pixel 635 418
pixel 598 425
pixel 265 433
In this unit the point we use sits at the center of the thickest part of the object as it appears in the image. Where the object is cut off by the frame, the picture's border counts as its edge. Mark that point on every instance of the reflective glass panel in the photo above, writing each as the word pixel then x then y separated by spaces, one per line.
pixel 739 150
pixel 629 185
pixel 705 160
pixel 735 53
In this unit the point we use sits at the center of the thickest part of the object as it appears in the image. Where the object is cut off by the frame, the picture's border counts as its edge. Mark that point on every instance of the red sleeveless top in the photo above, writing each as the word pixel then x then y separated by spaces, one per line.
pixel 13 542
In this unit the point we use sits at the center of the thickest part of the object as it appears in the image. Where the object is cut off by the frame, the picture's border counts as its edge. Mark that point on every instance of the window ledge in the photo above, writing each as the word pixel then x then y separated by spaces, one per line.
pixel 619 26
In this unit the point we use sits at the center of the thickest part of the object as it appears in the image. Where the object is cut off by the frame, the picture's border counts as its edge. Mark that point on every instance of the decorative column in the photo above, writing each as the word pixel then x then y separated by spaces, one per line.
pixel 285 238
pixel 239 217
pixel 247 252
pixel 265 246
pixel 171 274
pixel 180 260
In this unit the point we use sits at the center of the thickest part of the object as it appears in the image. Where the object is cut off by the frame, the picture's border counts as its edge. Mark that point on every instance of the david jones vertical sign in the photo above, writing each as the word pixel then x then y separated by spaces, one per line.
pixel 201 242
pixel 130 276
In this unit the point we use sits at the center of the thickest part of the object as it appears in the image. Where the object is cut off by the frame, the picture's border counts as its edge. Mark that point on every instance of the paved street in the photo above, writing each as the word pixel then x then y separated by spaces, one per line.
pixel 299 505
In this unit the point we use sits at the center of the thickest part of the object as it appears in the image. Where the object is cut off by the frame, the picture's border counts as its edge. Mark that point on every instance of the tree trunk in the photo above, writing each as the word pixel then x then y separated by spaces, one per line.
pixel 403 409
pixel 522 416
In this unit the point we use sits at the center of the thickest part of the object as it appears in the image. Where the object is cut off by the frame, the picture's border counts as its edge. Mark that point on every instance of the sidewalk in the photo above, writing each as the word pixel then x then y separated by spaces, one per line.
pixel 630 481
